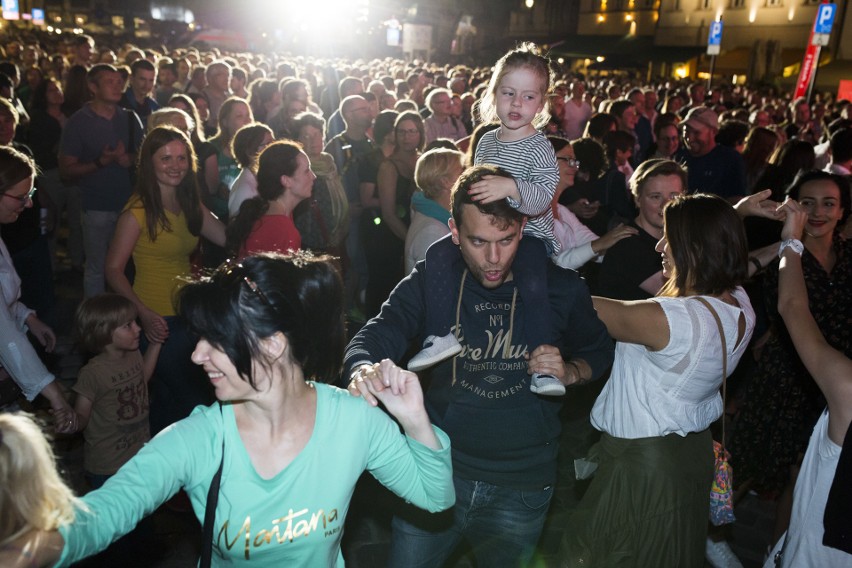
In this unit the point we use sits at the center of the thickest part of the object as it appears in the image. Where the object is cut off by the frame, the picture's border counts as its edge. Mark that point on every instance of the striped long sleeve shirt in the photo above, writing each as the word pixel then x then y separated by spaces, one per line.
pixel 532 163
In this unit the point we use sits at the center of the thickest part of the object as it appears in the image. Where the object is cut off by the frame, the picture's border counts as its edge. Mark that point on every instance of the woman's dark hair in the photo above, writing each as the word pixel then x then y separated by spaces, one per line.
pixel 599 125
pixel 242 304
pixel 383 125
pixel 246 142
pixel 76 89
pixel 759 145
pixel 278 159
pixel 793 156
pixel 15 167
pixel 592 157
pixel 147 189
pixel 708 243
pixel 479 131
pixel 38 101
pixel 842 183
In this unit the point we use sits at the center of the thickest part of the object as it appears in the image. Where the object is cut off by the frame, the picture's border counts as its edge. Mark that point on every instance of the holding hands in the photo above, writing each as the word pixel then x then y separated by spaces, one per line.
pixel 154 325
pixel 760 205
pixel 494 188
pixel 794 221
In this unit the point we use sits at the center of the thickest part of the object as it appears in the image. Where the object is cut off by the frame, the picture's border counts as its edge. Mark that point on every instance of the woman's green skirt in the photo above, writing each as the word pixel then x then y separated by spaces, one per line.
pixel 647 506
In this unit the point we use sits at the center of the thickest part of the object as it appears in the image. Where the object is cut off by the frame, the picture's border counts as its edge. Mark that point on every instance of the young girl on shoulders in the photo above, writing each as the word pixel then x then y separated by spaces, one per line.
pixel 517 97
pixel 112 388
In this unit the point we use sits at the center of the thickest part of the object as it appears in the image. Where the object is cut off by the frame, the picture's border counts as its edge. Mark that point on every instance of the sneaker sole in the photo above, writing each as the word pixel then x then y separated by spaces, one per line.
pixel 418 365
pixel 548 391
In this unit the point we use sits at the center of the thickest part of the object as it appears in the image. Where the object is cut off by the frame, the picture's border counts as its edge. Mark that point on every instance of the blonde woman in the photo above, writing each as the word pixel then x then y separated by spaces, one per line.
pixel 33 498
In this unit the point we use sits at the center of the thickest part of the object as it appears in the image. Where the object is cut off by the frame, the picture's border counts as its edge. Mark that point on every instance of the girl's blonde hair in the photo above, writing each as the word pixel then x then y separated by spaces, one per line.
pixel 32 495
pixel 526 55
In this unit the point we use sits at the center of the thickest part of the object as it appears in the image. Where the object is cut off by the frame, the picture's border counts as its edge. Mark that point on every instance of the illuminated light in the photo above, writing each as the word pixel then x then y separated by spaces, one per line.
pixel 628 18
pixel 681 72
pixel 600 58
pixel 529 3
pixel 752 14
pixel 50 29
pixel 79 20
pixel 791 13
pixel 632 31
pixel 587 61
pixel 704 75
pixel 601 18
pixel 734 79
pixel 337 15
pixel 560 60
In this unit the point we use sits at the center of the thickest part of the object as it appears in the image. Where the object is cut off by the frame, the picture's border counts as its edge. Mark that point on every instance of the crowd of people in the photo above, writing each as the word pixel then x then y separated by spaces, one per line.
pixel 503 233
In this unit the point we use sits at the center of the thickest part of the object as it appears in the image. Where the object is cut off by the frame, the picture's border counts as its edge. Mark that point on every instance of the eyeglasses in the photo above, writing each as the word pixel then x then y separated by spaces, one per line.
pixel 408 132
pixel 570 162
pixel 22 198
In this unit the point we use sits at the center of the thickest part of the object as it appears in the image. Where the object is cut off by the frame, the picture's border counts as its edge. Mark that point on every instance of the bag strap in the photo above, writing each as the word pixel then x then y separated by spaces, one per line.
pixel 724 362
pixel 210 511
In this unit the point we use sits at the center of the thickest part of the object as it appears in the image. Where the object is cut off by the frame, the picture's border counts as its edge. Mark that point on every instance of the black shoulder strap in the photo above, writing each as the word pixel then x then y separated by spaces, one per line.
pixel 210 510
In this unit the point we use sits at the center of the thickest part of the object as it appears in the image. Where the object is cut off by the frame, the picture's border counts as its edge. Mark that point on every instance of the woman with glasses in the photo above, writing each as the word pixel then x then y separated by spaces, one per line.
pixel 384 245
pixel 19 363
pixel 272 468
pixel 579 243
pixel 159 229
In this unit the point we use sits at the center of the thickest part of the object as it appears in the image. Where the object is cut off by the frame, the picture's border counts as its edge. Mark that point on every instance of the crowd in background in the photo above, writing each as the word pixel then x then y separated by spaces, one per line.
pixel 156 163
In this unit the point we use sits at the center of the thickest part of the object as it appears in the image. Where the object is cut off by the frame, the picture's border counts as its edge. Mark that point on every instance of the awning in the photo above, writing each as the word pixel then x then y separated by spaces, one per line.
pixel 625 50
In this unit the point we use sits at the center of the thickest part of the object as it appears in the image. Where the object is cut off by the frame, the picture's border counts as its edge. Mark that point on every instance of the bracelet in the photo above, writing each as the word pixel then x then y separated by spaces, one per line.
pixel 756 263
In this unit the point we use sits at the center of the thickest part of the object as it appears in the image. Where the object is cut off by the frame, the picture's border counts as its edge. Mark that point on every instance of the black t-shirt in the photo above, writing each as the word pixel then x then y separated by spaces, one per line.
pixel 627 264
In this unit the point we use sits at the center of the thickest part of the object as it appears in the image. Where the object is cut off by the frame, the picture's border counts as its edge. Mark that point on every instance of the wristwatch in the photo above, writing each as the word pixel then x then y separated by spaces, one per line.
pixel 794 244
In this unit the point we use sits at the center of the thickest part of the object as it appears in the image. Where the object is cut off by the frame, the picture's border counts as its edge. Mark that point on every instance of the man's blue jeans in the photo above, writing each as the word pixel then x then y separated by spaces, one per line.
pixel 502 526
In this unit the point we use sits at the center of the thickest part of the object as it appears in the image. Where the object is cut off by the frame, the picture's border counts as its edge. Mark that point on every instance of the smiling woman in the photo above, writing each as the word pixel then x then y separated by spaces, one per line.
pixel 159 229
pixel 18 359
pixel 288 447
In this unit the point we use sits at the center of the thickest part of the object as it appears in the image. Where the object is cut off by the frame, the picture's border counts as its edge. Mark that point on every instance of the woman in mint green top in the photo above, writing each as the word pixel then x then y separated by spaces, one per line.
pixel 272 334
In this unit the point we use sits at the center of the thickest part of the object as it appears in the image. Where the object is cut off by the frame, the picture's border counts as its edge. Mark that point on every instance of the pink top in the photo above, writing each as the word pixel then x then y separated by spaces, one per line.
pixel 272 233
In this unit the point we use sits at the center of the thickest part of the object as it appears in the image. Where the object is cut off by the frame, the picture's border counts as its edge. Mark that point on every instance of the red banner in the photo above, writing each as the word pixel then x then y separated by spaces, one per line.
pixel 809 64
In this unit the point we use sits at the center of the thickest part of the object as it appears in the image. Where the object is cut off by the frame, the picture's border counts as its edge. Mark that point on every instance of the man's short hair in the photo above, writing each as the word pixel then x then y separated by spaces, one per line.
pixel 94 74
pixel 434 93
pixel 653 168
pixel 348 83
pixel 618 107
pixel 142 65
pixel 346 103
pixel 502 214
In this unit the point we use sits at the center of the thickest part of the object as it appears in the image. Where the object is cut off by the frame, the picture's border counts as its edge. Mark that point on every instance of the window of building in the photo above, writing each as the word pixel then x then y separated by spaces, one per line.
pixel 706 4
pixel 737 3
pixel 774 3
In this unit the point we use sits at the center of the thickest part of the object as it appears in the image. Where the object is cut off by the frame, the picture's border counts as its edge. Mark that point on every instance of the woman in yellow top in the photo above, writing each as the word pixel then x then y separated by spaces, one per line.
pixel 159 229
